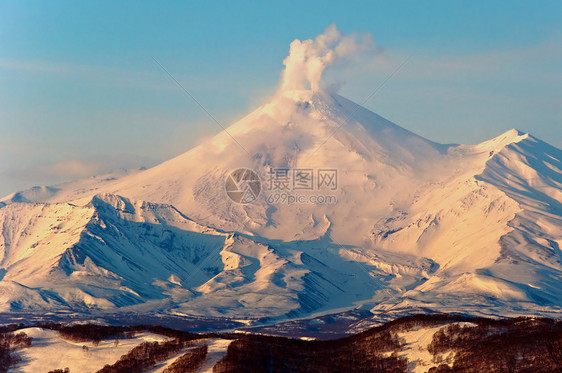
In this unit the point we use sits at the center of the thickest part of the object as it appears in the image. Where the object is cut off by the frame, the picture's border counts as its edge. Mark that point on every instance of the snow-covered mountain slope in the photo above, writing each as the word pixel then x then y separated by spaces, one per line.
pixel 495 233
pixel 98 255
pixel 376 160
pixel 115 252
pixel 49 351
pixel 473 228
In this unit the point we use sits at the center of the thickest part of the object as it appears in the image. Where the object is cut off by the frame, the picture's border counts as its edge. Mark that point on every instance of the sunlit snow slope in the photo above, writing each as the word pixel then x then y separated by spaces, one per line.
pixel 473 228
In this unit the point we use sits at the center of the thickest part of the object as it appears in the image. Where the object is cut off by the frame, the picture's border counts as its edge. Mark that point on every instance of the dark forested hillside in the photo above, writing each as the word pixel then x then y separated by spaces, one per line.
pixel 453 344
pixel 486 345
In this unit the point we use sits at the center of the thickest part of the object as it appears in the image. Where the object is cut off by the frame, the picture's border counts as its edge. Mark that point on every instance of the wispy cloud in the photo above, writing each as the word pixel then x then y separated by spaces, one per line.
pixel 529 59
pixel 466 97
pixel 67 170
pixel 34 66
pixel 95 75
pixel 149 78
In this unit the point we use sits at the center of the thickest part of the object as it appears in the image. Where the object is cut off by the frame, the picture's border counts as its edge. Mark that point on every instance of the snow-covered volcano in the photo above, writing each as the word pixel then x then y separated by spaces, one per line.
pixel 412 224
pixel 416 224
pixel 379 167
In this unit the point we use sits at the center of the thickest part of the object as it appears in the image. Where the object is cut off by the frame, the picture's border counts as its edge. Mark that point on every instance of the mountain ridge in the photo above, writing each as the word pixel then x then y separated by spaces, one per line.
pixel 417 225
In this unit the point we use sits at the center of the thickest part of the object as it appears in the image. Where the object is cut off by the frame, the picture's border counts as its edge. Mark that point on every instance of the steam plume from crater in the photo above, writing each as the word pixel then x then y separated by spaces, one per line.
pixel 308 59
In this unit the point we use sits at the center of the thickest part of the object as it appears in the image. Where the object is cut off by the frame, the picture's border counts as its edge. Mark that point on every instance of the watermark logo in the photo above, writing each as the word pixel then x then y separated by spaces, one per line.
pixel 284 186
pixel 243 186
pixel 286 179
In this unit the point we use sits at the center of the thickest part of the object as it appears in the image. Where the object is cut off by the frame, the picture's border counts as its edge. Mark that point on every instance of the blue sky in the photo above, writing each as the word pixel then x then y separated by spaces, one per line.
pixel 81 94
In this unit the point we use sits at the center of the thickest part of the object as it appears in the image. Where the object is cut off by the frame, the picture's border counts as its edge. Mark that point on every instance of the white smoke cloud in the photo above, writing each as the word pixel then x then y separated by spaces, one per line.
pixel 308 59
